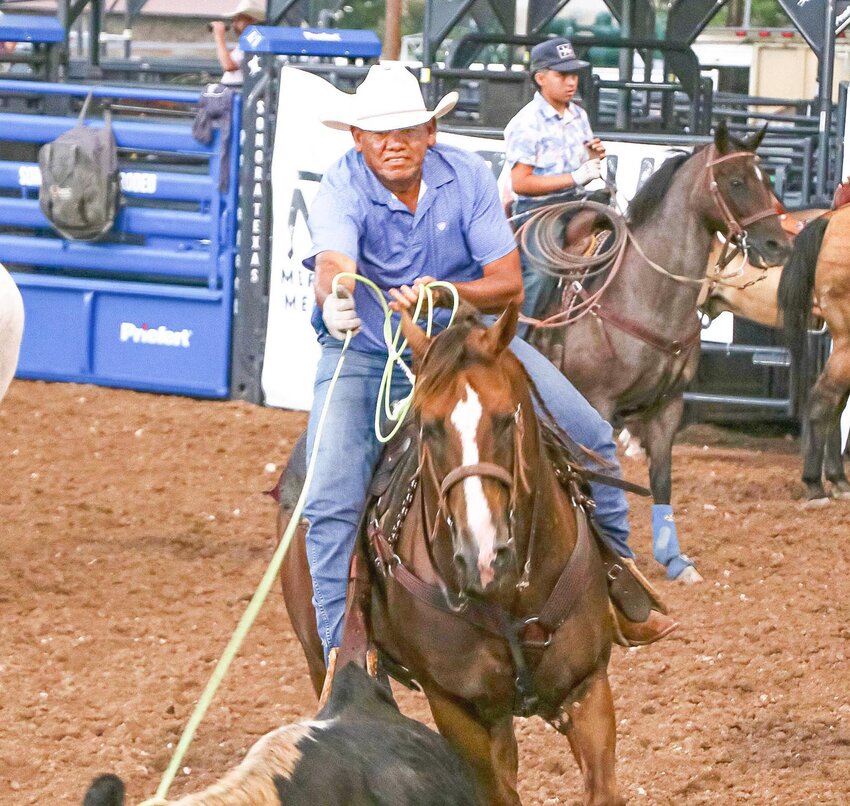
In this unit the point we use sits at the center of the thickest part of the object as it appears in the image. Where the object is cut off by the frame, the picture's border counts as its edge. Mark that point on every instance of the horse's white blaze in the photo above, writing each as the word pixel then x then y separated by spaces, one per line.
pixel 465 418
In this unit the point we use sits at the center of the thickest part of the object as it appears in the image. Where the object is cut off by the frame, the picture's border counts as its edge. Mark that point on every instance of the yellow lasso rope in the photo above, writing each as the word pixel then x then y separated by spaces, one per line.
pixel 396 345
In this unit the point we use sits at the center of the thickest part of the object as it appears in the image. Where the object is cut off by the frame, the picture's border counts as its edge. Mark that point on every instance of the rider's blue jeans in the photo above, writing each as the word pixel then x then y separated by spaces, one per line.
pixel 349 452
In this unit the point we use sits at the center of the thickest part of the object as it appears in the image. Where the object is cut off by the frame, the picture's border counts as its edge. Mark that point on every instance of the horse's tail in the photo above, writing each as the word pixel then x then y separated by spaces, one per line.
pixel 796 286
pixel 798 280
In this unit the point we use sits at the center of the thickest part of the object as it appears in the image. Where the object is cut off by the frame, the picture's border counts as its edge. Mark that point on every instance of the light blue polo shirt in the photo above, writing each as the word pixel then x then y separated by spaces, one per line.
pixel 458 228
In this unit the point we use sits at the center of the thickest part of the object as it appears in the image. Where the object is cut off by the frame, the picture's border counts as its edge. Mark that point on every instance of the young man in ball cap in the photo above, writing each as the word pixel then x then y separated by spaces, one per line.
pixel 549 145
pixel 247 12
pixel 401 209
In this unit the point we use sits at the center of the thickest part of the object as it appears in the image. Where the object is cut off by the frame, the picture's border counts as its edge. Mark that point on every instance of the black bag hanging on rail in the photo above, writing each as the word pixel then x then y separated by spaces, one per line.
pixel 80 184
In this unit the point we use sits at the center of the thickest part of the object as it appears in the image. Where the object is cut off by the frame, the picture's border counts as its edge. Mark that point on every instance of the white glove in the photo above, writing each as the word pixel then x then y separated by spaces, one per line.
pixel 339 315
pixel 592 169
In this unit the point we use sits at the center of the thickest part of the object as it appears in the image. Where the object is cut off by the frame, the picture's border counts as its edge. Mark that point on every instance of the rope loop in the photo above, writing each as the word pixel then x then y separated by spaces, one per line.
pixel 541 240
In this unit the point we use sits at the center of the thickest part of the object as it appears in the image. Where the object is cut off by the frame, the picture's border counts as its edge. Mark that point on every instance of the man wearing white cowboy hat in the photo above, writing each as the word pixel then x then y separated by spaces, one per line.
pixel 247 12
pixel 401 210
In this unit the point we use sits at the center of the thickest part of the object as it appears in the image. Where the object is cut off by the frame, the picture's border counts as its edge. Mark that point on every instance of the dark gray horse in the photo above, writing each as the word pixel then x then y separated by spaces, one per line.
pixel 638 348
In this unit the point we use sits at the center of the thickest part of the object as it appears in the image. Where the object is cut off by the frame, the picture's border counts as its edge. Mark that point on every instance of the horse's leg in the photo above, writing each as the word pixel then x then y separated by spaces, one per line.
pixel 660 431
pixel 490 749
pixel 593 739
pixel 298 596
pixel 824 411
pixel 833 460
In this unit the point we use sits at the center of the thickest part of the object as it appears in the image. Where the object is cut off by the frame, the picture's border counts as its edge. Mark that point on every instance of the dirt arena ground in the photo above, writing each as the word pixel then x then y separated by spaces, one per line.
pixel 134 529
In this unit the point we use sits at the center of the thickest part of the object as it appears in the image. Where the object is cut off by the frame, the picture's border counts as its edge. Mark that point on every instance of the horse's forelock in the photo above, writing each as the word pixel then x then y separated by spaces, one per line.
pixel 453 350
pixel 446 354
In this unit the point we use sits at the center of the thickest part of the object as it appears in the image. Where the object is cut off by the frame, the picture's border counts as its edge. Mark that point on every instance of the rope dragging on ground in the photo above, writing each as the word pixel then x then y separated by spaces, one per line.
pixel 396 412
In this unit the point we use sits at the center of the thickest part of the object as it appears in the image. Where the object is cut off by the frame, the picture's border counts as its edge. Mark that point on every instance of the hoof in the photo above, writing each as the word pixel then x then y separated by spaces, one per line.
pixel 817 503
pixel 840 490
pixel 690 576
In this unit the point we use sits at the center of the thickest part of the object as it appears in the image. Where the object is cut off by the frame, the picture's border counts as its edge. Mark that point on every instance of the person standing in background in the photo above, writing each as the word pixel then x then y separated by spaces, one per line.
pixel 247 12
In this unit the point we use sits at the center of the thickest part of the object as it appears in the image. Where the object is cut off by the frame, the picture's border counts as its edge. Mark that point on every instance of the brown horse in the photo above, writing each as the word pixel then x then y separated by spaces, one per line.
pixel 489 593
pixel 815 278
pixel 638 348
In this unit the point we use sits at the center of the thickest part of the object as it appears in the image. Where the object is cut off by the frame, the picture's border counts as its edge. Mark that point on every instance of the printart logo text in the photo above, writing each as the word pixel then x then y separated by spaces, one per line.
pixel 155 335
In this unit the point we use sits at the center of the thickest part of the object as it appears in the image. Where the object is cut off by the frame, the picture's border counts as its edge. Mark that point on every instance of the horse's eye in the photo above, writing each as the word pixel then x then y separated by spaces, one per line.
pixel 502 424
pixel 736 183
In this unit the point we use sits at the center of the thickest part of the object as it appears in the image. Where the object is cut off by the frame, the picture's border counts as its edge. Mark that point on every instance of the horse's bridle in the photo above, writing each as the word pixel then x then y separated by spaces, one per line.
pixel 736 229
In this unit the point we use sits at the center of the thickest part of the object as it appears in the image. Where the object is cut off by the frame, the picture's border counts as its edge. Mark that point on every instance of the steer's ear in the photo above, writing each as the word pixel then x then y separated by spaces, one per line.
pixel 500 334
pixel 415 335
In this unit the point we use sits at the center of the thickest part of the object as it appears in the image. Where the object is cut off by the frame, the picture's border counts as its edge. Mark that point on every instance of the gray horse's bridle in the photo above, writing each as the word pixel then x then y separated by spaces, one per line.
pixel 736 229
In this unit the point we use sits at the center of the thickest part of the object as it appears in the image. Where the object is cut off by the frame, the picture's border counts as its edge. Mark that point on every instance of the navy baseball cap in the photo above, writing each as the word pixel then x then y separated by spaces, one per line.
pixel 556 54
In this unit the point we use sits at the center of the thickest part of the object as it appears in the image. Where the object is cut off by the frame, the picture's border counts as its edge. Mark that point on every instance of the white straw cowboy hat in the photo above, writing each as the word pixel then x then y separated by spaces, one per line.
pixel 255 9
pixel 389 98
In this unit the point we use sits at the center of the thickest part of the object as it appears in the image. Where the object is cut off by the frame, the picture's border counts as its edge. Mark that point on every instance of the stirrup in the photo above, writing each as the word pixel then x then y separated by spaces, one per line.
pixel 651 591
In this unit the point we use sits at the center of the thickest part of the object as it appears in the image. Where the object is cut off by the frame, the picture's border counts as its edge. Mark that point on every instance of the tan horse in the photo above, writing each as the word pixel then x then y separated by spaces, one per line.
pixel 815 279
pixel 746 290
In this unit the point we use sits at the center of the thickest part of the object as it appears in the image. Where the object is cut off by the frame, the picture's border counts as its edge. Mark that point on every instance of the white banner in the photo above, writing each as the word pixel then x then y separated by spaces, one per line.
pixel 303 149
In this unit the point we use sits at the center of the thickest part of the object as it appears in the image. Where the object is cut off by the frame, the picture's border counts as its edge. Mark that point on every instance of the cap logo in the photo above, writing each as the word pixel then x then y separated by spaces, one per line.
pixel 565 51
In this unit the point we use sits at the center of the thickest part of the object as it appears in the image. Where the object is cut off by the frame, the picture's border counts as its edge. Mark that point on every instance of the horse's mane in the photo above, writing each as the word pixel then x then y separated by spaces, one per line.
pixel 648 197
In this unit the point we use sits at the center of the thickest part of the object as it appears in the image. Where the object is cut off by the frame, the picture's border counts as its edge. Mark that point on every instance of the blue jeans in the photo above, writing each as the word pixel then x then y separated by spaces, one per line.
pixel 349 451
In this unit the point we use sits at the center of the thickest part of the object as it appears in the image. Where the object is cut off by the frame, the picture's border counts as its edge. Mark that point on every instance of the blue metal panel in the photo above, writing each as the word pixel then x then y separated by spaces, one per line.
pixel 136 335
pixel 144 135
pixel 40 88
pixel 168 328
pixel 186 226
pixel 30 28
pixel 310 42
pixel 168 185
pixel 58 253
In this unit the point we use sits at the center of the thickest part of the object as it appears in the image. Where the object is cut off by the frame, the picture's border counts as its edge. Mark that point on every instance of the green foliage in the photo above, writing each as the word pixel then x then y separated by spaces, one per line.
pixel 369 15
pixel 763 14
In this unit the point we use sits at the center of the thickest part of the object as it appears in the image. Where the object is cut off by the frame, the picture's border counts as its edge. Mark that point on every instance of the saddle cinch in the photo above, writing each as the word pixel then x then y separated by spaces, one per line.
pixel 391 493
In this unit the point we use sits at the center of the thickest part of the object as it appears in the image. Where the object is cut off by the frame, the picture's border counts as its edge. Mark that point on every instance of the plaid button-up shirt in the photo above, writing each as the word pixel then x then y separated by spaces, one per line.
pixel 539 136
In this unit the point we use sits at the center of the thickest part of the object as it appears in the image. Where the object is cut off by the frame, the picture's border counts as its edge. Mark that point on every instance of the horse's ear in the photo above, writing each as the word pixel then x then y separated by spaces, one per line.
pixel 753 141
pixel 499 335
pixel 721 137
pixel 415 335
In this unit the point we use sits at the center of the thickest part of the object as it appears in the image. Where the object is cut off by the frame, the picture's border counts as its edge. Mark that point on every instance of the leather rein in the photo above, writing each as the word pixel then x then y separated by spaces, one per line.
pixel 529 634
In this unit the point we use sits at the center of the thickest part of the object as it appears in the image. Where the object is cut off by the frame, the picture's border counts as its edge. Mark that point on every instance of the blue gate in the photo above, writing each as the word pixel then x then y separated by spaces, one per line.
pixel 150 307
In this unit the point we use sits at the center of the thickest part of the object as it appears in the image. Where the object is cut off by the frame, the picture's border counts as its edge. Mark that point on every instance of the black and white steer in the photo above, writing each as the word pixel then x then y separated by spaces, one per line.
pixel 358 751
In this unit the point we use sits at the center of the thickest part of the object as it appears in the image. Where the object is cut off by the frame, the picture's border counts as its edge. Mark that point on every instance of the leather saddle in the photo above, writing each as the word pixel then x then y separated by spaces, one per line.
pixel 389 495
